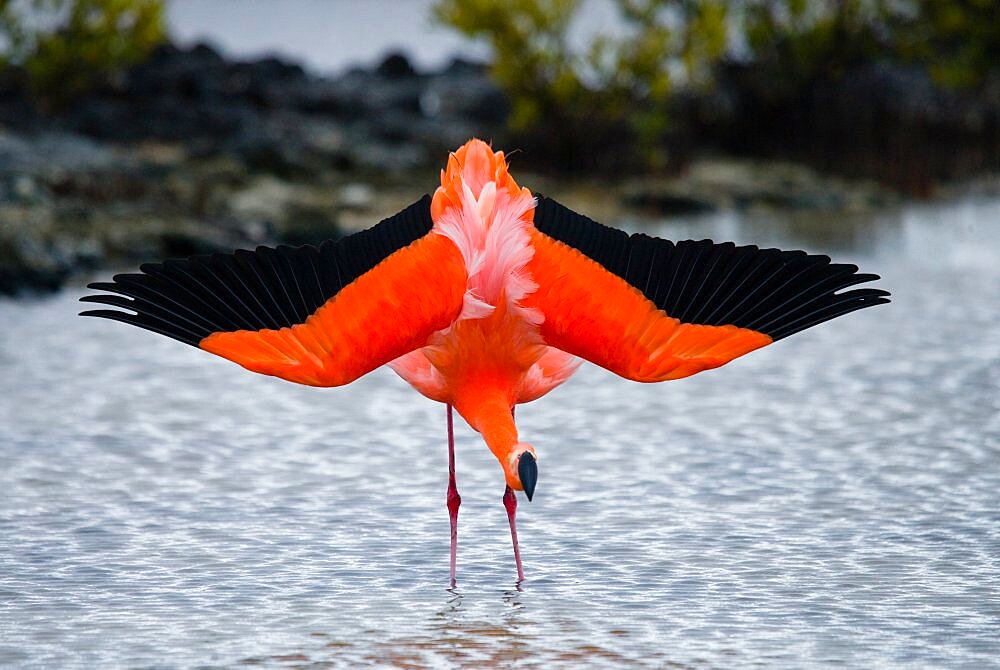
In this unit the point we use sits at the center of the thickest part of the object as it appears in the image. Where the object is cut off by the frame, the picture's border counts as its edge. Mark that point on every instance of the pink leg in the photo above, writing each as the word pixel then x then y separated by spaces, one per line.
pixel 454 500
pixel 510 502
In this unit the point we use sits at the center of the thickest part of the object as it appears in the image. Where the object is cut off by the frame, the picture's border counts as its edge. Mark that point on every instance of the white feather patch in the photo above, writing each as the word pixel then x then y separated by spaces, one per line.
pixel 492 232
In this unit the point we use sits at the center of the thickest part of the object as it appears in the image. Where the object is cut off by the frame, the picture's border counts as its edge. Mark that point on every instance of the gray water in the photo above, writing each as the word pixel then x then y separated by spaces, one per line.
pixel 832 500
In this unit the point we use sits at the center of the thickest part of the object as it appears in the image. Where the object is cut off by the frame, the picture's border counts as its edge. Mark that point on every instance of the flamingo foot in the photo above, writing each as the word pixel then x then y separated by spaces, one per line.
pixel 510 503
pixel 454 500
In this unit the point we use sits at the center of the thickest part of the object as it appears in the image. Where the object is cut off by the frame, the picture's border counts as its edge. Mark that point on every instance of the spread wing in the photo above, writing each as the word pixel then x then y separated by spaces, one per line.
pixel 317 316
pixel 651 310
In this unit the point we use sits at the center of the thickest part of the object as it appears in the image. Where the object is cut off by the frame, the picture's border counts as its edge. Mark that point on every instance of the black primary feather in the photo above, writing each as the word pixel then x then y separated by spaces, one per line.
pixel 189 300
pixel 774 292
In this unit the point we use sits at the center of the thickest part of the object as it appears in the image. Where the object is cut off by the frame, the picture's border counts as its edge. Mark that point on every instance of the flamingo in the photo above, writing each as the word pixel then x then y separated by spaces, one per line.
pixel 482 297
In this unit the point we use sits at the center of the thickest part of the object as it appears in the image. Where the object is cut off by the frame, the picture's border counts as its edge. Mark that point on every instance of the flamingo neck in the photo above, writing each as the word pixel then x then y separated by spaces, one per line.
pixel 492 416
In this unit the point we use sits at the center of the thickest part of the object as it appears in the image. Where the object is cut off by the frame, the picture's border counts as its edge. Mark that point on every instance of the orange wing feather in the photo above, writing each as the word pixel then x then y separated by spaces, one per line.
pixel 380 316
pixel 594 314
pixel 321 316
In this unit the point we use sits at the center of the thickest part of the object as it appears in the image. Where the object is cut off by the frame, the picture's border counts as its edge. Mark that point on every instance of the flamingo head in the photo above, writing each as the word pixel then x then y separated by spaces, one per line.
pixel 473 169
pixel 521 469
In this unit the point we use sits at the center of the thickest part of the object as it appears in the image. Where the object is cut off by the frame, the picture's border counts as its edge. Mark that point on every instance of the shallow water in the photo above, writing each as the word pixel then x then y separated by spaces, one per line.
pixel 832 500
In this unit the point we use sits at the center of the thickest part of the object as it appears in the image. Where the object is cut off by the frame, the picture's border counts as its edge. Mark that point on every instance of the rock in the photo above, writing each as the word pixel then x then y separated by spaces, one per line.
pixel 357 196
pixel 191 153
pixel 181 244
pixel 264 82
pixel 291 213
pixel 290 146
pixel 27 266
pixel 277 118
pixel 52 153
pixel 716 183
pixel 30 261
pixel 16 107
pixel 266 199
pixel 192 74
pixel 325 97
pixel 378 156
pixel 23 189
pixel 363 93
pixel 464 90
pixel 747 183
pixel 664 199
pixel 310 223
pixel 396 66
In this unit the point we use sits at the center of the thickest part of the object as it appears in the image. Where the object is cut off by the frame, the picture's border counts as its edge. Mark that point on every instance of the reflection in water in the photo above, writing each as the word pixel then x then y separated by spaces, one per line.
pixel 451 635
pixel 828 500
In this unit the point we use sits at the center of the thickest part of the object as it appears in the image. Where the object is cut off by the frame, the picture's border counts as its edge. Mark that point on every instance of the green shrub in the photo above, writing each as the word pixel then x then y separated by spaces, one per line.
pixel 610 98
pixel 802 40
pixel 958 42
pixel 67 46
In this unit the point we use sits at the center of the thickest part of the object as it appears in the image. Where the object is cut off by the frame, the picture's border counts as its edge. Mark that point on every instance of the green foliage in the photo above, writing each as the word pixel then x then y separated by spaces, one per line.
pixel 957 41
pixel 802 39
pixel 617 88
pixel 615 94
pixel 66 46
pixel 529 39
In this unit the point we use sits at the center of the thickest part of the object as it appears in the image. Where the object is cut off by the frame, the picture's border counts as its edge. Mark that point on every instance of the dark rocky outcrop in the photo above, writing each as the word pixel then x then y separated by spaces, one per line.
pixel 274 114
pixel 190 152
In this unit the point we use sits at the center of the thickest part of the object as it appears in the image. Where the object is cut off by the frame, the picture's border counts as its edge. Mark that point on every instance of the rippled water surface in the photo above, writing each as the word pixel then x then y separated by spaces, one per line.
pixel 832 500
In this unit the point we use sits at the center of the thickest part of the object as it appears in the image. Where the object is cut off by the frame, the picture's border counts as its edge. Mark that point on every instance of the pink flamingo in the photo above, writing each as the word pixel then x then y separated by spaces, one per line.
pixel 483 297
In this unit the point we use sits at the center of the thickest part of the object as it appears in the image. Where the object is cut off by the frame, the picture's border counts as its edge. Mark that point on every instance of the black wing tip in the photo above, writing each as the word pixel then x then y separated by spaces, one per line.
pixel 151 323
pixel 101 313
pixel 101 298
pixel 770 290
pixel 879 292
pixel 264 288
pixel 837 304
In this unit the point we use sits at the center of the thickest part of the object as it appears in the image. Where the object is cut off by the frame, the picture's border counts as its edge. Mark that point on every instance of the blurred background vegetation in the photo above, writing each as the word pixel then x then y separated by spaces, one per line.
pixel 120 142
pixel 616 89
pixel 629 90
pixel 797 40
pixel 65 47
pixel 643 96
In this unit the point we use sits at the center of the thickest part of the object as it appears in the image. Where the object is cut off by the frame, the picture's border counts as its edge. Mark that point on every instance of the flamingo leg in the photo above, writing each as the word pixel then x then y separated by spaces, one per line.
pixel 510 503
pixel 454 500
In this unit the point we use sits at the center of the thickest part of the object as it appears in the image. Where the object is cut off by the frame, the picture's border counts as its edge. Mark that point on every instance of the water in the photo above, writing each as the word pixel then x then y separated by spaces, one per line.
pixel 832 500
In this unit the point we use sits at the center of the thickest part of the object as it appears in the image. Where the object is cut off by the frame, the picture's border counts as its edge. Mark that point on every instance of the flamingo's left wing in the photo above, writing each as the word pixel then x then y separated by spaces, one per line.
pixel 651 310
pixel 316 316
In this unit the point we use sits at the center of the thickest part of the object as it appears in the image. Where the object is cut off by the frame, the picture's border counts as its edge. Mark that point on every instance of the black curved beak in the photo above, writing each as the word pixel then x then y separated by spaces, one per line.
pixel 527 470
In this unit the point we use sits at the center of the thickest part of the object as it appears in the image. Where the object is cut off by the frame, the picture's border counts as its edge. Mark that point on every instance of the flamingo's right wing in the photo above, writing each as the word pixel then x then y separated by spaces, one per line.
pixel 316 316
pixel 651 310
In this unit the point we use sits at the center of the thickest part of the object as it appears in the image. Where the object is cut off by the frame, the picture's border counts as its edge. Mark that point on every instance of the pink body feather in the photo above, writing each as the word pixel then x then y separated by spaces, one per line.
pixel 483 212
